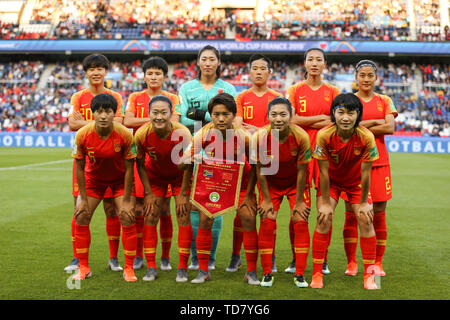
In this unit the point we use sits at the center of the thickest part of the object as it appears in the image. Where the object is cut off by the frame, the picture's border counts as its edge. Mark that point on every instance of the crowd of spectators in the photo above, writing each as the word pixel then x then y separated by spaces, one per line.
pixel 190 19
pixel 26 105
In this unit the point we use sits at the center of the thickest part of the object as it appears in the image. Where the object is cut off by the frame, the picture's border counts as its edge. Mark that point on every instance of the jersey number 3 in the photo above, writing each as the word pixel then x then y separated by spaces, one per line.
pixel 302 106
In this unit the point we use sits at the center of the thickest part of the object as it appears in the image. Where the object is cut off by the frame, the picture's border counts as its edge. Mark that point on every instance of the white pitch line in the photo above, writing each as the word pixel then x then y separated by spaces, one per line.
pixel 36 165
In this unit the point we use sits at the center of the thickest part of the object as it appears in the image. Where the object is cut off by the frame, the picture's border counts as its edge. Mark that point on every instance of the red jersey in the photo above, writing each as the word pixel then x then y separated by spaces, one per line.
pixel 138 103
pixel 377 108
pixel 294 151
pixel 252 108
pixel 205 140
pixel 345 158
pixel 307 102
pixel 160 164
pixel 104 158
pixel 81 102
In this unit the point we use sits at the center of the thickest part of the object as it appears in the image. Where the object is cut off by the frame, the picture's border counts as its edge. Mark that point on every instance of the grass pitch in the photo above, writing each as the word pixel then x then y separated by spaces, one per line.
pixel 37 206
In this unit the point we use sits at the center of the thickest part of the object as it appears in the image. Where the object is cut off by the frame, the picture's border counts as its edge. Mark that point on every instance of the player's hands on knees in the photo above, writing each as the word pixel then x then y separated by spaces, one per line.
pixel 150 204
pixel 365 213
pixel 82 210
pixel 324 214
pixel 126 213
pixel 302 210
pixel 249 202
pixel 265 208
pixel 182 205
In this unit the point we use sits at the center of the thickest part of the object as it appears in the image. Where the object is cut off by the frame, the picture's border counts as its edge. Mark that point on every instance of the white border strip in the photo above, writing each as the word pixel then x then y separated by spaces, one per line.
pixel 36 165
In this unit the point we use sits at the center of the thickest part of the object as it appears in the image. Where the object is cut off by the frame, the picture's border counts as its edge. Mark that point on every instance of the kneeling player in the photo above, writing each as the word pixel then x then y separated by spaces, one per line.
pixel 345 151
pixel 107 145
pixel 222 134
pixel 158 140
pixel 290 153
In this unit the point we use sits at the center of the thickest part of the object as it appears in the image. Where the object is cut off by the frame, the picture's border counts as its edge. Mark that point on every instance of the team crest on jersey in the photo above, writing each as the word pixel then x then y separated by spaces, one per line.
pixel 379 106
pixel 117 146
pixel 357 151
pixel 327 95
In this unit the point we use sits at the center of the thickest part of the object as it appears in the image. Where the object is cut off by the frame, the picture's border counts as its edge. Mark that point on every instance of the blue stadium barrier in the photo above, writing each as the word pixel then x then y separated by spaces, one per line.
pixel 37 139
pixel 66 139
pixel 398 47
pixel 417 144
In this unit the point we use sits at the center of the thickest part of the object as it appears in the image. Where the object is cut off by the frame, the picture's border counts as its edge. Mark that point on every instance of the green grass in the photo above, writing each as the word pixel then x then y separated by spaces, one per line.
pixel 35 241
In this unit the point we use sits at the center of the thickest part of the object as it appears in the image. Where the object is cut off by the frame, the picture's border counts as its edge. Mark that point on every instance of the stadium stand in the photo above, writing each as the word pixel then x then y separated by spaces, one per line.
pixel 404 20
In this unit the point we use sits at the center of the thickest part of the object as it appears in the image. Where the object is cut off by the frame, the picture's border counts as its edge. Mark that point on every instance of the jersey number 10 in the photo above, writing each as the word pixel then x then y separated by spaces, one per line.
pixel 248 112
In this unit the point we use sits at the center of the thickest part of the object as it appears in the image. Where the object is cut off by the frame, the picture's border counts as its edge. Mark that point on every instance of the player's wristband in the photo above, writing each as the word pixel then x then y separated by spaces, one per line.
pixel 196 114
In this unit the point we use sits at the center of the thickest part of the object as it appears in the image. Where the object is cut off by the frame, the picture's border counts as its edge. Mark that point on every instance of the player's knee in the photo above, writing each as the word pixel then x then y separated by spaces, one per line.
pixel 248 220
pixel 110 211
pixel 324 226
pixel 126 220
pixel 83 218
pixel 184 221
pixel 151 219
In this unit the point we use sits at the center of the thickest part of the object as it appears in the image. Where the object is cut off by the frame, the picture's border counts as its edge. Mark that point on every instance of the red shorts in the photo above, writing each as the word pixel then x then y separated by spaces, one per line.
pixel 351 194
pixel 166 188
pixel 75 189
pixel 101 190
pixel 313 173
pixel 277 193
pixel 380 184
pixel 139 187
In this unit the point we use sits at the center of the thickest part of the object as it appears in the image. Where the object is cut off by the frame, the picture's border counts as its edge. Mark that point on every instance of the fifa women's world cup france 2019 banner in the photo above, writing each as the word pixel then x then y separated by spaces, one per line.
pixel 216 186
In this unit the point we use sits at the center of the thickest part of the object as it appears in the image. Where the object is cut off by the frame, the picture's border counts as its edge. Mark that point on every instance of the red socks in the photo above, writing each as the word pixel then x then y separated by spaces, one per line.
pixel 184 245
pixel 129 243
pixel 266 244
pixel 350 234
pixel 319 248
pixel 150 240
pixel 251 249
pixel 82 243
pixel 72 232
pixel 203 243
pixel 166 232
pixel 292 237
pixel 113 233
pixel 329 241
pixel 379 224
pixel 140 232
pixel 301 246
pixel 238 236
pixel 368 250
